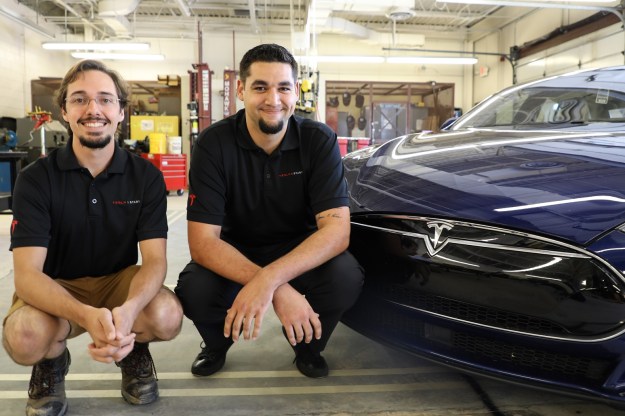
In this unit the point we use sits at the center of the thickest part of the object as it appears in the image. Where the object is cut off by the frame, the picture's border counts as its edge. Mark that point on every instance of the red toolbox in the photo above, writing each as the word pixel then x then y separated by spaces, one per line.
pixel 174 168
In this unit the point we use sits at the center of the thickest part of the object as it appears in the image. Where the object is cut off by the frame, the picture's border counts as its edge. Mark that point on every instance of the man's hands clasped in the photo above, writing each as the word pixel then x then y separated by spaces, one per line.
pixel 246 315
pixel 111 334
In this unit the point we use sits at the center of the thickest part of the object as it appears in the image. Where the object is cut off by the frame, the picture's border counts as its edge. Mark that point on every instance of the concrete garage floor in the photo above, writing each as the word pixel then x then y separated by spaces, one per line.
pixel 259 377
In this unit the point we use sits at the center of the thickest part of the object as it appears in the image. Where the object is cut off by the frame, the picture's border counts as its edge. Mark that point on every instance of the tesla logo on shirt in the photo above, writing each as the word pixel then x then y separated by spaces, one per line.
pixel 13 225
pixel 283 175
pixel 127 202
pixel 191 199
pixel 435 243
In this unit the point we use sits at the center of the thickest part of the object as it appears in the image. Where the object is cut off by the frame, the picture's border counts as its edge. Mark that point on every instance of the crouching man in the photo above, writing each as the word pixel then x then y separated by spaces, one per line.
pixel 78 216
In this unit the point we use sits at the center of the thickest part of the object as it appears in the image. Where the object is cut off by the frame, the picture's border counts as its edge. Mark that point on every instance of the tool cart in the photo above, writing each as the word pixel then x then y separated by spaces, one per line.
pixel 174 168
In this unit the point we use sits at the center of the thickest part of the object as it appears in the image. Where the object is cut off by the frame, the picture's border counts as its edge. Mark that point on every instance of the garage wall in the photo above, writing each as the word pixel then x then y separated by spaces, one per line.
pixel 602 48
pixel 12 68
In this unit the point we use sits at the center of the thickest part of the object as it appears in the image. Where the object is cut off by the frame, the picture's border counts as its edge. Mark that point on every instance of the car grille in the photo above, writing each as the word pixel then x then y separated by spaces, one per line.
pixel 544 361
pixel 489 276
pixel 466 311
pixel 395 326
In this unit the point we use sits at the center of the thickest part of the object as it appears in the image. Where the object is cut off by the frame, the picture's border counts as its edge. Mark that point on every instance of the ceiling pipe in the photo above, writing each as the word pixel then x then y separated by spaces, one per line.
pixel 112 8
pixel 252 8
pixel 539 5
pixel 24 21
pixel 184 8
pixel 86 21
pixel 617 11
pixel 114 12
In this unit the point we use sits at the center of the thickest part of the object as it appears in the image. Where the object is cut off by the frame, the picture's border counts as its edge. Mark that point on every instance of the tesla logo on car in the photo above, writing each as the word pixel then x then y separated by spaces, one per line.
pixel 436 241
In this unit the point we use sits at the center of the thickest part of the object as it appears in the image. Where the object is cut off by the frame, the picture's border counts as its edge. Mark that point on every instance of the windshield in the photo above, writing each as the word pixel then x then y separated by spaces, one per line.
pixel 546 107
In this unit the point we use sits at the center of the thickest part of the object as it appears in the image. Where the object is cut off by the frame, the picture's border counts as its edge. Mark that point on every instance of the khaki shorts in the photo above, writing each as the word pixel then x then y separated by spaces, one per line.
pixel 107 291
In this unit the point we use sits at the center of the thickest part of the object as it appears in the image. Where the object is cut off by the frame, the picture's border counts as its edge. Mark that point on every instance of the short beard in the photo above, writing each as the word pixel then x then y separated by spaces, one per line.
pixel 268 129
pixel 95 144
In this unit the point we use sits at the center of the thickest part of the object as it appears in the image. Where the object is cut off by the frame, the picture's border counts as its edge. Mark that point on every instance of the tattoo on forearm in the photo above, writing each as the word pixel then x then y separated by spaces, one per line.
pixel 320 217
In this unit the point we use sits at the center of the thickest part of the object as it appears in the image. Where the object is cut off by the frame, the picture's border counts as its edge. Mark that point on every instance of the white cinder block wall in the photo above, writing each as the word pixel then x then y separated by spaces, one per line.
pixel 15 86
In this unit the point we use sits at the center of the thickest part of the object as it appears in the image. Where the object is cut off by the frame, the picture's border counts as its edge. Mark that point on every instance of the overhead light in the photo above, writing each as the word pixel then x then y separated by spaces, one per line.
pixel 390 60
pixel 97 46
pixel 401 14
pixel 342 59
pixel 16 17
pixel 118 56
pixel 430 60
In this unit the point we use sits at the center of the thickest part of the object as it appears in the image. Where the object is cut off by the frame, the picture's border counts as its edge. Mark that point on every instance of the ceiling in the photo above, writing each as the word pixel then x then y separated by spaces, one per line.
pixel 183 19
pixel 397 23
pixel 105 19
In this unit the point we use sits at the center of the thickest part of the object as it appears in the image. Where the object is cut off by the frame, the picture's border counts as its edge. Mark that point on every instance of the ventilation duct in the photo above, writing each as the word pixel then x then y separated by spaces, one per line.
pixel 112 8
pixel 342 26
pixel 114 12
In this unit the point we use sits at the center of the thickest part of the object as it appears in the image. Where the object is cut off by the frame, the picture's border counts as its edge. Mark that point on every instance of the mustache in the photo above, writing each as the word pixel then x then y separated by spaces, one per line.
pixel 94 119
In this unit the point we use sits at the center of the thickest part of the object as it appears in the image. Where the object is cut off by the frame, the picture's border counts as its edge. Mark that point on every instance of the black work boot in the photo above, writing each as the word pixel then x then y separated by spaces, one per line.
pixel 46 391
pixel 139 384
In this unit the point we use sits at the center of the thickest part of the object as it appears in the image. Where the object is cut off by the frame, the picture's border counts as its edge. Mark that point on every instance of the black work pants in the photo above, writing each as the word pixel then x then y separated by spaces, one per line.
pixel 330 289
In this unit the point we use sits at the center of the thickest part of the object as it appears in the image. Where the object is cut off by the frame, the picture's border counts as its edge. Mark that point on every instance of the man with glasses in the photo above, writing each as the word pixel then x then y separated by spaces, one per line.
pixel 78 216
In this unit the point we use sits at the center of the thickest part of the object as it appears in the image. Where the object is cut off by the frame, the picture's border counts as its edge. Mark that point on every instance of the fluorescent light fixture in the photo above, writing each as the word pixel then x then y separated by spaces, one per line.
pixel 118 56
pixel 430 60
pixel 97 46
pixel 16 17
pixel 390 60
pixel 342 59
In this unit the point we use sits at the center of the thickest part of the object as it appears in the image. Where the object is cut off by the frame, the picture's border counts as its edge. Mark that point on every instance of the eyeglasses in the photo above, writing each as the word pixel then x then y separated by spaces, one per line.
pixel 104 101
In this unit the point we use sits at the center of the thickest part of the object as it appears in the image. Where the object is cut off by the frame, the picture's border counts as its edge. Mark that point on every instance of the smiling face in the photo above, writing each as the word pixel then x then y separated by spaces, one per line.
pixel 93 124
pixel 269 94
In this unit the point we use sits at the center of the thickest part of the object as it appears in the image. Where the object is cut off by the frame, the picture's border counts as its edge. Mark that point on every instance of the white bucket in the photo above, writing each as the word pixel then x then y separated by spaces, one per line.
pixel 174 145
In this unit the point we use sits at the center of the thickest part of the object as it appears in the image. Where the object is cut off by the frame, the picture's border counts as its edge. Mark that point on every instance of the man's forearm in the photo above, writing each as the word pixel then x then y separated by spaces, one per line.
pixel 225 260
pixel 145 285
pixel 321 246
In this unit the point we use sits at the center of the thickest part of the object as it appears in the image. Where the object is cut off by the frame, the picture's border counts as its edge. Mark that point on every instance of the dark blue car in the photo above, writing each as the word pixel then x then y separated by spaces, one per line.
pixel 498 247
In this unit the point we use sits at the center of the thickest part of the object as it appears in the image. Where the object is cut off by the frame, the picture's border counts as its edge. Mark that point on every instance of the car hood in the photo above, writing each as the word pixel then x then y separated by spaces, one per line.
pixel 570 185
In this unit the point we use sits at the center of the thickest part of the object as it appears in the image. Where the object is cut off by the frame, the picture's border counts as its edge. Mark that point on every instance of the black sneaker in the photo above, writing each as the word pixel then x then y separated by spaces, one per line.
pixel 139 382
pixel 309 363
pixel 46 391
pixel 209 361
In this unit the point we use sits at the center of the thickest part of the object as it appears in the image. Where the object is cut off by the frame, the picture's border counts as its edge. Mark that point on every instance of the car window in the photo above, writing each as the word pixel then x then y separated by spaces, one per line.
pixel 544 107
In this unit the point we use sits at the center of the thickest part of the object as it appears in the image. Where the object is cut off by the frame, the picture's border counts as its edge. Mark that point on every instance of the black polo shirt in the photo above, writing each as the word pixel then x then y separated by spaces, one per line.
pixel 90 226
pixel 266 204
